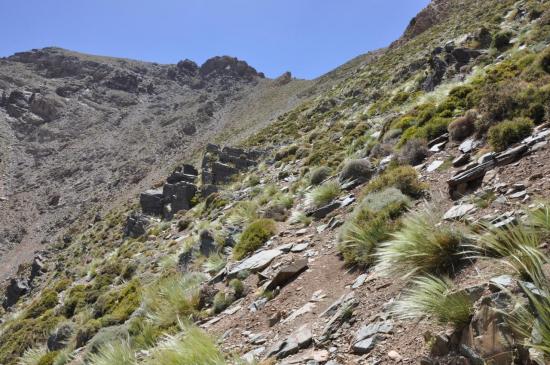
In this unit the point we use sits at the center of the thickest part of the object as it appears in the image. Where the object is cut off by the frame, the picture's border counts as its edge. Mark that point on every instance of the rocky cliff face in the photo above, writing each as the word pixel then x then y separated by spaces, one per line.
pixel 78 130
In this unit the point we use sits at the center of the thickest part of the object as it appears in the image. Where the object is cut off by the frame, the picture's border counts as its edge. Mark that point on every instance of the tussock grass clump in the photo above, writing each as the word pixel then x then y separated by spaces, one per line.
pixel 462 127
pixel 191 346
pixel 243 213
pixel 172 297
pixel 413 152
pixel 32 356
pixel 421 247
pixel 504 134
pixel 319 174
pixel 518 245
pixel 404 178
pixel 372 222
pixel 361 170
pixel 118 352
pixel 298 217
pixel 214 263
pixel 435 297
pixel 323 194
pixel 254 236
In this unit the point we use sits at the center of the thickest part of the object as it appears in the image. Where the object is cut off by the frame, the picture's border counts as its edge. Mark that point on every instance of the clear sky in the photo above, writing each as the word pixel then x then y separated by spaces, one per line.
pixel 306 37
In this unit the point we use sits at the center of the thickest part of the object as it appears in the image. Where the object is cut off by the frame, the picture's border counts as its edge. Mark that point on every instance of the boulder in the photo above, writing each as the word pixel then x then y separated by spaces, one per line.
pixel 286 274
pixel 324 210
pixel 151 202
pixel 222 173
pixel 46 108
pixel 38 267
pixel 207 245
pixel 136 225
pixel 179 196
pixel 255 263
pixel 459 211
pixel 16 288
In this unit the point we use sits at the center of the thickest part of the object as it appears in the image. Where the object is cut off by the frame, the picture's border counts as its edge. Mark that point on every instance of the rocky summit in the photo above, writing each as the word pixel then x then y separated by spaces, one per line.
pixel 393 211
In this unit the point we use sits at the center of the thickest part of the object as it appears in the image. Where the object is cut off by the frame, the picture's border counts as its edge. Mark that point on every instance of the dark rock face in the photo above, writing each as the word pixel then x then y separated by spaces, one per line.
pixel 151 202
pixel 220 165
pixel 228 67
pixel 136 225
pixel 15 290
pixel 206 243
pixel 179 196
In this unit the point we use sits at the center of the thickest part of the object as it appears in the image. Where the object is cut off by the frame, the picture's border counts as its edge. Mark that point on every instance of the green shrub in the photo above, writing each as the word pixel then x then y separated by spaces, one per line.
pixel 221 301
pixel 319 174
pixel 404 178
pixel 117 305
pixel 372 222
pixel 253 237
pixel 419 248
pixel 434 297
pixel 20 335
pixel 237 286
pixel 47 300
pixel 286 152
pixel 504 134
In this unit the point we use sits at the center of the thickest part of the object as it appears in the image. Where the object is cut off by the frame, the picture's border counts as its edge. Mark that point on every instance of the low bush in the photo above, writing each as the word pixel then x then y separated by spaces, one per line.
pixel 361 170
pixel 237 286
pixel 253 237
pixel 323 194
pixel 286 152
pixel 47 300
pixel 413 152
pixel 404 178
pixel 462 127
pixel 419 248
pixel 504 134
pixel 319 174
pixel 372 222
pixel 435 297
pixel 118 304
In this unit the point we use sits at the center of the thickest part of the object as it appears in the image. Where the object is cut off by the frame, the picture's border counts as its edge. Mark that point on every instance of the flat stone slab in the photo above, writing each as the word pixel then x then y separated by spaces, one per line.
pixel 256 262
pixel 434 165
pixel 287 273
pixel 459 211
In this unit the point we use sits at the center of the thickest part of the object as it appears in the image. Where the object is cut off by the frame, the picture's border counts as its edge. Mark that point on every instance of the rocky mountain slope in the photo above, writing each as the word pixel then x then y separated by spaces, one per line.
pixel 78 131
pixel 396 211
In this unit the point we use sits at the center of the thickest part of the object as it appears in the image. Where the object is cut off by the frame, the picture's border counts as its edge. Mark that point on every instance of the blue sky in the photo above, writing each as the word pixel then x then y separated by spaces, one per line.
pixel 306 37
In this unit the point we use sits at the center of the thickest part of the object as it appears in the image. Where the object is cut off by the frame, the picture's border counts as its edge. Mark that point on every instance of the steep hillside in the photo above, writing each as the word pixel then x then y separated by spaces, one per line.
pixel 393 211
pixel 80 130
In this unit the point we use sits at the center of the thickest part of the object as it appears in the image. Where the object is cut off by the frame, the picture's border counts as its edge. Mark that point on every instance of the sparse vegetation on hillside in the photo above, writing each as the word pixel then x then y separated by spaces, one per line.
pixel 253 237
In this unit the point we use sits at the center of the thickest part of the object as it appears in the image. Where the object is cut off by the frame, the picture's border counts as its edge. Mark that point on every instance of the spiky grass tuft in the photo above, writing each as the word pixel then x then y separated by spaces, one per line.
pixel 517 245
pixel 118 352
pixel 214 263
pixel 421 247
pixel 323 194
pixel 435 297
pixel 243 213
pixel 191 347
pixel 32 356
pixel 173 297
